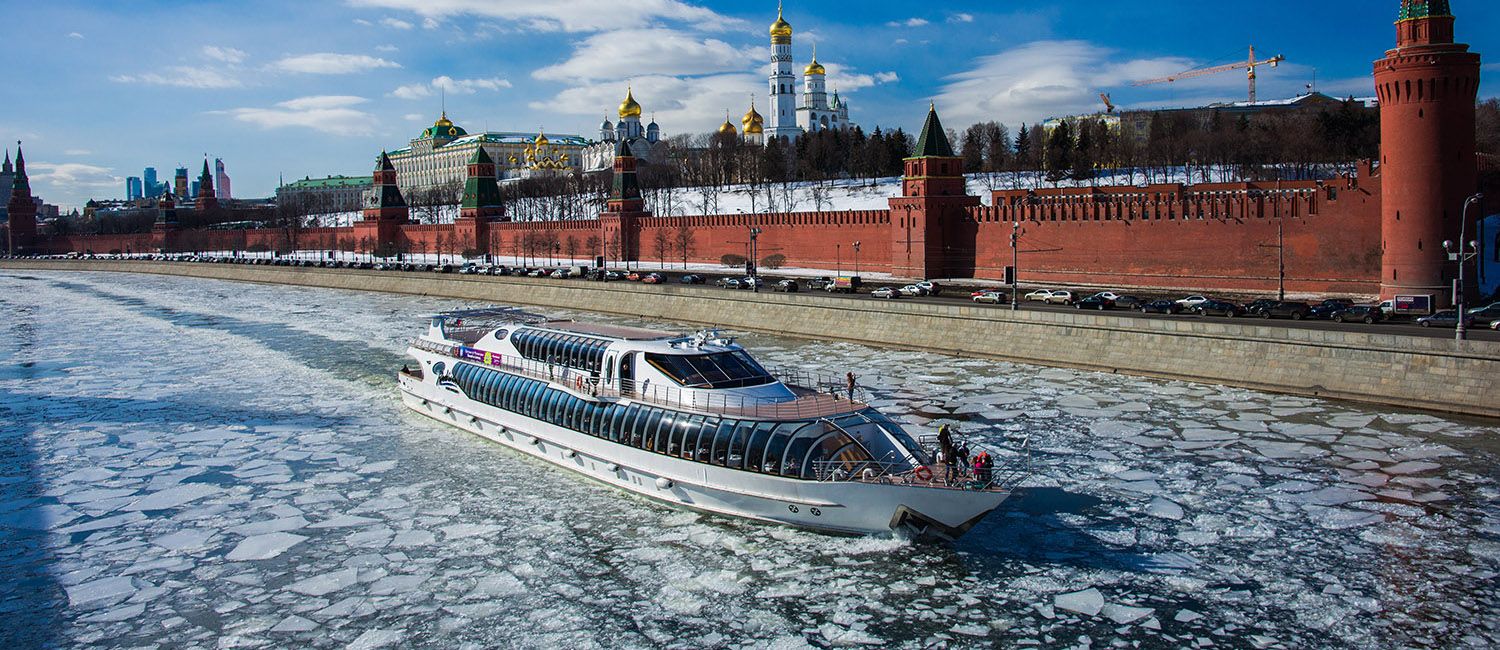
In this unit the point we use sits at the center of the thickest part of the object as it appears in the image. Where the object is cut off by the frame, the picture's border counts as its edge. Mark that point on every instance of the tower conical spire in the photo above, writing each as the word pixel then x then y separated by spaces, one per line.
pixel 933 141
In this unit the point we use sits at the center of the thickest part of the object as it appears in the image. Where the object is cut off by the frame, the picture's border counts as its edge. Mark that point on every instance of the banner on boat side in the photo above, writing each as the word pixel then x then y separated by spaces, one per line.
pixel 479 356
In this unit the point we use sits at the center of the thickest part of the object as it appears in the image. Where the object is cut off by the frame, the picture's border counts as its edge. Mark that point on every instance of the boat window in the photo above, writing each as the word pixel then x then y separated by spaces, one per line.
pixel 665 444
pixel 648 432
pixel 691 430
pixel 736 456
pixel 635 420
pixel 612 420
pixel 718 370
pixel 796 451
pixel 756 446
pixel 835 450
pixel 776 448
pixel 722 437
pixel 438 368
pixel 896 432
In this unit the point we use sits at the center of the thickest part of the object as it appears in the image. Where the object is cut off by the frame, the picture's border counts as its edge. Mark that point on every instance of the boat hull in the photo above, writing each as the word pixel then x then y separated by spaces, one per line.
pixel 842 507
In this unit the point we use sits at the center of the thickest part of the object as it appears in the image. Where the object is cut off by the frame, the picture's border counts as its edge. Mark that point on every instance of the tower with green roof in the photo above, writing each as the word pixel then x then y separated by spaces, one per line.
pixel 21 209
pixel 928 218
pixel 620 225
pixel 481 204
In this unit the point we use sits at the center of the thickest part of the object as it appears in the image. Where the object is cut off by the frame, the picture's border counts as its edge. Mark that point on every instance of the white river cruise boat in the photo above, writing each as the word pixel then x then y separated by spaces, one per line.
pixel 693 422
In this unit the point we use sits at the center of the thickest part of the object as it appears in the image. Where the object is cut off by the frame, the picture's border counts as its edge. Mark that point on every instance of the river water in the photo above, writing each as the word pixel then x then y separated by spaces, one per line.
pixel 202 464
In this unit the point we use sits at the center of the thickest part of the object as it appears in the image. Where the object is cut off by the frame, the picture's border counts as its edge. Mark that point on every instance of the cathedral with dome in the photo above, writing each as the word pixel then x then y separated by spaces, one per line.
pixel 643 141
pixel 818 109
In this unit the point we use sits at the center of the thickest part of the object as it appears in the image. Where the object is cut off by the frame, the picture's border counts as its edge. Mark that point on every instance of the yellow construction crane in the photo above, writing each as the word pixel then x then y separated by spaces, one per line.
pixel 1108 107
pixel 1248 65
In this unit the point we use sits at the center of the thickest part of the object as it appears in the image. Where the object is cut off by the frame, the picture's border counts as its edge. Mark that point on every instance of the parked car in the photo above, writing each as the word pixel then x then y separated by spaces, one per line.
pixel 1486 317
pixel 751 283
pixel 537 273
pixel 1191 303
pixel 1492 305
pixel 653 278
pixel 558 274
pixel 1159 307
pixel 692 279
pixel 930 288
pixel 819 283
pixel 1061 297
pixel 1326 308
pixel 912 290
pixel 1098 302
pixel 1040 295
pixel 634 276
pixel 995 297
pixel 1367 314
pixel 889 293
pixel 1276 308
pixel 612 276
pixel 1254 306
pixel 729 283
pixel 443 268
pixel 787 286
pixel 1108 294
pixel 1448 318
pixel 1129 302
pixel 1220 308
pixel 468 269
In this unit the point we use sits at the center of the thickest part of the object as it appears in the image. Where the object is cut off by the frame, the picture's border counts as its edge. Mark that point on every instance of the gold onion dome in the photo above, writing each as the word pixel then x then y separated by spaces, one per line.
pixel 727 127
pixel 814 68
pixel 781 31
pixel 443 121
pixel 629 107
pixel 752 122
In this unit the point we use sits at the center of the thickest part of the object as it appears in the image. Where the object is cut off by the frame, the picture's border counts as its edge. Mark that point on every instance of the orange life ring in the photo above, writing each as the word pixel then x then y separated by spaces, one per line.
pixel 923 474
pixel 578 382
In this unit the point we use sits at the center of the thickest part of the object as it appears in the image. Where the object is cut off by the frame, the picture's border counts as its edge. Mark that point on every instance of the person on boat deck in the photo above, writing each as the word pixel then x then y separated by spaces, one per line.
pixel 851 386
pixel 945 439
pixel 942 461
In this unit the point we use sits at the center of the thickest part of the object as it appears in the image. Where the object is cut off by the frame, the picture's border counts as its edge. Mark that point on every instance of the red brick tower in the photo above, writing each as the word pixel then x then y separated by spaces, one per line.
pixel 206 199
pixel 1426 87
pixel 165 231
pixel 621 224
pixel 925 218
pixel 481 204
pixel 21 208
pixel 384 211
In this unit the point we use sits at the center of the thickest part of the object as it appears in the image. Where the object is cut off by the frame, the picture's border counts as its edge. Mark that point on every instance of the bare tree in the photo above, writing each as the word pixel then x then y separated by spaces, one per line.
pixel 661 244
pixel 683 239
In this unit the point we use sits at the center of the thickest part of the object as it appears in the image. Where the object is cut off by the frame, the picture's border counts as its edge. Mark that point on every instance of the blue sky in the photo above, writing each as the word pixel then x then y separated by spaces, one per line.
pixel 99 90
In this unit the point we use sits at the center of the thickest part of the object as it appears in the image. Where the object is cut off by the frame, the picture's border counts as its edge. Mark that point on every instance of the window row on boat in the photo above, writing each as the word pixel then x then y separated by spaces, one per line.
pixel 798 448
pixel 574 351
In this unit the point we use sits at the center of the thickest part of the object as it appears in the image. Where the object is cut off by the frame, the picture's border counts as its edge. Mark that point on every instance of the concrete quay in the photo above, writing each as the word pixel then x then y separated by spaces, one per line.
pixel 1379 368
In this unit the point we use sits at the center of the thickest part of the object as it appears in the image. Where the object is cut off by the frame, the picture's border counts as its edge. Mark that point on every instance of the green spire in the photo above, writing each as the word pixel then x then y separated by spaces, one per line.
pixel 480 189
pixel 933 142
pixel 1423 9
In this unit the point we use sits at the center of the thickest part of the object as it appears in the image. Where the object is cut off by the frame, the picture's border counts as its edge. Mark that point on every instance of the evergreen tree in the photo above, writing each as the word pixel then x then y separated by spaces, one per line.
pixel 1059 150
pixel 1083 153
pixel 1023 146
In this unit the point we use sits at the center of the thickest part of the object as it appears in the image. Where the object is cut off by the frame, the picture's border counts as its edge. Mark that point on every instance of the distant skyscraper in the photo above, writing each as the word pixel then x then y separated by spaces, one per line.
pixel 133 188
pixel 149 183
pixel 193 189
pixel 180 183
pixel 221 180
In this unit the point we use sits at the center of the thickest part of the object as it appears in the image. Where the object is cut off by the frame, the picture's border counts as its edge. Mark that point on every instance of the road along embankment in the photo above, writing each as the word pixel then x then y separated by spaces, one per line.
pixel 1415 372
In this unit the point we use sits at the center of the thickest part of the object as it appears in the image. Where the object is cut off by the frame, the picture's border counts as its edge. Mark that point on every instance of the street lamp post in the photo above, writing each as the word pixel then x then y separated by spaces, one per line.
pixel 1457 252
pixel 1015 264
pixel 838 252
pixel 856 259
pixel 754 267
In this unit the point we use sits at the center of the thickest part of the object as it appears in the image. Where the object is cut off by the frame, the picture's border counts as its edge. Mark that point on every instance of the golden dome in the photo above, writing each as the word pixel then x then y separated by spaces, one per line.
pixel 780 29
pixel 629 107
pixel 752 122
pixel 541 139
pixel 814 68
pixel 443 121
pixel 727 127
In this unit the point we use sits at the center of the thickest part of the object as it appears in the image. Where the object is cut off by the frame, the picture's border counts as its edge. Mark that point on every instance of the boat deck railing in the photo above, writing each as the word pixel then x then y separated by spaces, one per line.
pixel 1013 468
pixel 815 396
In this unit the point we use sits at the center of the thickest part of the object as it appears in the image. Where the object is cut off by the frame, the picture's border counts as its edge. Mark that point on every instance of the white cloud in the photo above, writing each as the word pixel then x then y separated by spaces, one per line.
pixel 328 113
pixel 73 175
pixel 361 21
pixel 886 77
pixel 394 23
pixel 430 23
pixel 183 77
pixel 387 48
pixel 618 54
pixel 844 78
pixel 909 22
pixel 1040 80
pixel 573 16
pixel 225 54
pixel 961 18
pixel 449 84
pixel 1492 67
pixel 75 35
pixel 332 63
pixel 78 152
pixel 415 117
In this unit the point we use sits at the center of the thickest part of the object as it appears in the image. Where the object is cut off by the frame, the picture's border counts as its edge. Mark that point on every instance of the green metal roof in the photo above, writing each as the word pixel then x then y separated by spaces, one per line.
pixel 1423 9
pixel 933 142
pixel 330 182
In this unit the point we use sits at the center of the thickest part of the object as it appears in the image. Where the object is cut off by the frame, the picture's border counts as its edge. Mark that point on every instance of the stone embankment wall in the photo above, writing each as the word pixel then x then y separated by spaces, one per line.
pixel 1418 372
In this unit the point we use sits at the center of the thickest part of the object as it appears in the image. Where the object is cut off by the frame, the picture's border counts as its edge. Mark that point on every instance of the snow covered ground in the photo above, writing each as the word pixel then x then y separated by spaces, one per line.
pixel 201 464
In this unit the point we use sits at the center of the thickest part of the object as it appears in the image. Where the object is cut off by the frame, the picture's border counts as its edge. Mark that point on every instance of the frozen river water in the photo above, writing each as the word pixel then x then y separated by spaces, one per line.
pixel 203 464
